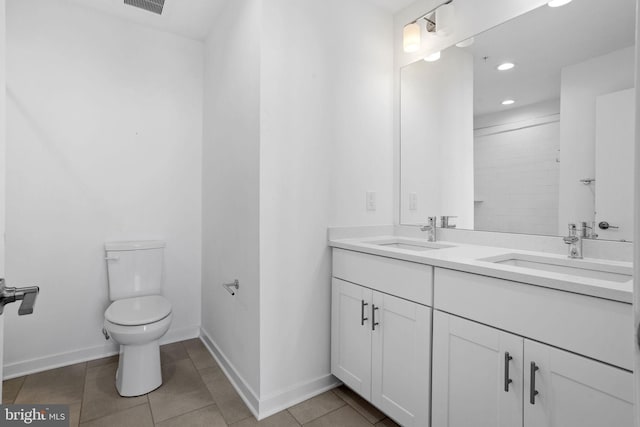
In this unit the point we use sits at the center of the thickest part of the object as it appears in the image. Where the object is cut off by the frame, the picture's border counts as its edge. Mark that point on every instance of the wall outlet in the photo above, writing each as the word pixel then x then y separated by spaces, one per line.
pixel 371 200
pixel 413 201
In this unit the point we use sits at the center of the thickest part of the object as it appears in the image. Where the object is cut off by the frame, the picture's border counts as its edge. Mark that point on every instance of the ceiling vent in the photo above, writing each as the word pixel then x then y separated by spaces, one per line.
pixel 154 6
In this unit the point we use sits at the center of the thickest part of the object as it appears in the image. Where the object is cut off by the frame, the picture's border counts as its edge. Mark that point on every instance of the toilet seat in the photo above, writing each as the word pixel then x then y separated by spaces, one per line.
pixel 138 311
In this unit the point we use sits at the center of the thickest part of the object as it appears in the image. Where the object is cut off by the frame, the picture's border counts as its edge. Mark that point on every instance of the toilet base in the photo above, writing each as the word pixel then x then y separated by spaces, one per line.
pixel 139 369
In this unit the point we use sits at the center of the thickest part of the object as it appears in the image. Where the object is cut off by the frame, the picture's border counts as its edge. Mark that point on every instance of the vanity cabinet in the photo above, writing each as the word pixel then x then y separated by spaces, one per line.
pixel 381 343
pixel 469 374
pixel 485 376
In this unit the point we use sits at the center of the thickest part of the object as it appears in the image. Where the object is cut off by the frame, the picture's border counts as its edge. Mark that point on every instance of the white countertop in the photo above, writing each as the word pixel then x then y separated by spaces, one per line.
pixel 468 258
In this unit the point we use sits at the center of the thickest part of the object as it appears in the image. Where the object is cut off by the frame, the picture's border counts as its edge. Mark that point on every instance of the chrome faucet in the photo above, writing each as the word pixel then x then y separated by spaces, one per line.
pixel 574 241
pixel 445 221
pixel 430 228
pixel 588 232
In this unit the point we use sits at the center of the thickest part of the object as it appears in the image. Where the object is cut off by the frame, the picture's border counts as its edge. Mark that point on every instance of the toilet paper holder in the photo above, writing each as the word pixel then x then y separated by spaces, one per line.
pixel 235 285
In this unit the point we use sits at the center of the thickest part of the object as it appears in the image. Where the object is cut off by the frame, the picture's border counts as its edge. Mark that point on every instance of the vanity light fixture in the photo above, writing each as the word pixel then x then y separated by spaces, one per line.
pixel 432 57
pixel 558 3
pixel 411 36
pixel 466 43
pixel 445 19
pixel 508 102
pixel 505 66
pixel 440 21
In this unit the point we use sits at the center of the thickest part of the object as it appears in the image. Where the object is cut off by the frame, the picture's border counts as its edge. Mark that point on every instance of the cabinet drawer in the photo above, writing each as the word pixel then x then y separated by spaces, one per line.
pixel 404 279
pixel 594 327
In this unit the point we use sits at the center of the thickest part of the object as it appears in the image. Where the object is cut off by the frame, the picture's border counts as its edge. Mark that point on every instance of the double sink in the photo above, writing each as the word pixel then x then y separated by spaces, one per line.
pixel 593 269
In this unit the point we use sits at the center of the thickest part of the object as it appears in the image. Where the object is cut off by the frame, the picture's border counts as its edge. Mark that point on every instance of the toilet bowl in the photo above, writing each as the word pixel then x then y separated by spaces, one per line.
pixel 138 316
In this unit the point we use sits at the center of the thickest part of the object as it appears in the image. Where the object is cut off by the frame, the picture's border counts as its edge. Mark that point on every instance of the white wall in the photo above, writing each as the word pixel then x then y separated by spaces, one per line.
pixel 230 192
pixel 614 153
pixel 421 140
pixel 437 139
pixel 326 88
pixel 359 72
pixel 581 84
pixel 3 132
pixel 104 143
pixel 297 130
pixel 2 159
pixel 516 178
pixel 636 233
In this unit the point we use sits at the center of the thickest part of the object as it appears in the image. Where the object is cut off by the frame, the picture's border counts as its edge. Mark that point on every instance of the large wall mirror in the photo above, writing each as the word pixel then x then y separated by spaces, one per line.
pixel 531 148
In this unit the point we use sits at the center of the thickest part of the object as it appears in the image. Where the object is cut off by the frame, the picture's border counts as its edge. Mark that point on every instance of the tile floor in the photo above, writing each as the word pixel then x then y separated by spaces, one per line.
pixel 195 393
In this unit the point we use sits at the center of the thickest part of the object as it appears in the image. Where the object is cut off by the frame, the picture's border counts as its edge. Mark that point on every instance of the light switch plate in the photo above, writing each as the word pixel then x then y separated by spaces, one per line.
pixel 413 201
pixel 371 200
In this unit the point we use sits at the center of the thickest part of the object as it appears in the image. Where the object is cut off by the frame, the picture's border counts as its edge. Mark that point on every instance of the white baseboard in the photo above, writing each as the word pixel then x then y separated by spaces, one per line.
pixel 275 402
pixel 175 335
pixel 284 399
pixel 38 364
pixel 244 390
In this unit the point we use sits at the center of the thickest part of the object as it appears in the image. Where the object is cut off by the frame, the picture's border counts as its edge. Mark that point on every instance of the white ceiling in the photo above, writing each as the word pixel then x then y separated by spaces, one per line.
pixel 189 18
pixel 541 43
pixel 393 5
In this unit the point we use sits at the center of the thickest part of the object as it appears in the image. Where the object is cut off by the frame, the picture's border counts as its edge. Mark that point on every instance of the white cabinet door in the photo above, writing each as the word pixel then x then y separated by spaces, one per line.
pixel 574 391
pixel 469 374
pixel 351 336
pixel 401 359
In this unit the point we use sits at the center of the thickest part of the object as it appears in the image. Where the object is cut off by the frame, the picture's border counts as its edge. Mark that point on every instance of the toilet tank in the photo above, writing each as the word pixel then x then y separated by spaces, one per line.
pixel 134 268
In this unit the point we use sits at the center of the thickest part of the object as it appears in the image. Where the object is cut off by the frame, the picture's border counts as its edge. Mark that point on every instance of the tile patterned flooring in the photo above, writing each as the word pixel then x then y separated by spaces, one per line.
pixel 195 393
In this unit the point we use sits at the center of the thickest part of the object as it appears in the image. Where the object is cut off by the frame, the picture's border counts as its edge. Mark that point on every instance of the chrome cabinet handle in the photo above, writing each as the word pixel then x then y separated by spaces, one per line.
pixel 362 318
pixel 507 380
pixel 532 384
pixel 373 317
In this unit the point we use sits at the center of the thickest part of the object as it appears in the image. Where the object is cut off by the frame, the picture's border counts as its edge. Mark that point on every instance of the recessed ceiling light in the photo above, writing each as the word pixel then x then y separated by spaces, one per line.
pixel 506 66
pixel 466 43
pixel 558 3
pixel 433 57
pixel 508 102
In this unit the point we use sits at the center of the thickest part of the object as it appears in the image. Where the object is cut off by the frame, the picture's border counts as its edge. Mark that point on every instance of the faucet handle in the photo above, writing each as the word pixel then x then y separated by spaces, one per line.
pixel 588 231
pixel 445 221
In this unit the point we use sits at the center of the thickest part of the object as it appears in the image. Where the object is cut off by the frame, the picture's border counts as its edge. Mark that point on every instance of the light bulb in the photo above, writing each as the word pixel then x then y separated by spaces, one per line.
pixel 508 102
pixel 411 36
pixel 433 57
pixel 506 66
pixel 466 43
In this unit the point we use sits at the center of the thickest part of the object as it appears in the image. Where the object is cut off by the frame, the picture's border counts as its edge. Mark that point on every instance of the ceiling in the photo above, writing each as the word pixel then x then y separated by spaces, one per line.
pixel 392 5
pixel 541 43
pixel 190 18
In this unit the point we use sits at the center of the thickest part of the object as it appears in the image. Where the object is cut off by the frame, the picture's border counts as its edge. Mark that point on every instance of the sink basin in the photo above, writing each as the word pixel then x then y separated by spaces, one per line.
pixel 409 245
pixel 573 267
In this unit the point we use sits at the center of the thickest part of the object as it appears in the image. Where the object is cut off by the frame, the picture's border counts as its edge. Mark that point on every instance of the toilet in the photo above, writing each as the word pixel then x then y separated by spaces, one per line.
pixel 138 315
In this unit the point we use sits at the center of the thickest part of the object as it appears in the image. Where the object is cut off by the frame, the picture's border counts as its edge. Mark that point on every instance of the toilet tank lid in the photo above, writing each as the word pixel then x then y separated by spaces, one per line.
pixel 134 245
